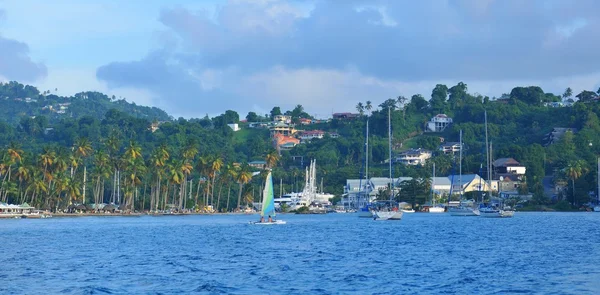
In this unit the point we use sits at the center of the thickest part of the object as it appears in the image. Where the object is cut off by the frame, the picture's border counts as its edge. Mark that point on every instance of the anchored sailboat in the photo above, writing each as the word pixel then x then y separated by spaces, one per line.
pixel 267 214
pixel 464 208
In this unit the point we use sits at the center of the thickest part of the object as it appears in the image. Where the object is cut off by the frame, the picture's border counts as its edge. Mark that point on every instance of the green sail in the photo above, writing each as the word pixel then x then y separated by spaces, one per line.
pixel 268 200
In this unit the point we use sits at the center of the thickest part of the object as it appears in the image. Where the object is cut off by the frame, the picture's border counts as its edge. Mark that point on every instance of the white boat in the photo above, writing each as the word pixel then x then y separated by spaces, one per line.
pixel 597 209
pixel 463 211
pixel 268 205
pixel 437 209
pixel 387 215
pixel 496 213
pixel 408 210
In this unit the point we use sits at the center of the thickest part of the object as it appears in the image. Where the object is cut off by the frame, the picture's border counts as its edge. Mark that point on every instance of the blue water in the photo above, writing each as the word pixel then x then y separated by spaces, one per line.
pixel 535 253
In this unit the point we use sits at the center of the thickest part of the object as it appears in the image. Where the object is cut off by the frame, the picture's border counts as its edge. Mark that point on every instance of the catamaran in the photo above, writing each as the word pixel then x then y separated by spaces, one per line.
pixel 267 213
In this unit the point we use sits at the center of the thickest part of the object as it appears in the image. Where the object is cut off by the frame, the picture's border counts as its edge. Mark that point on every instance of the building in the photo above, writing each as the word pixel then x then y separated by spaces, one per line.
pixel 308 135
pixel 234 126
pixel 258 164
pixel 413 157
pixel 450 148
pixel 305 121
pixel 283 119
pixel 284 143
pixel 282 128
pixel 345 116
pixel 438 123
pixel 469 183
pixel 509 174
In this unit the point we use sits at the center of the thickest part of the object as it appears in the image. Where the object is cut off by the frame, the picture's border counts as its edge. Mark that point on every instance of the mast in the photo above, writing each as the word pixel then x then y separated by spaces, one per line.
pixel 432 185
pixel 460 166
pixel 390 151
pixel 487 150
pixel 598 182
pixel 490 169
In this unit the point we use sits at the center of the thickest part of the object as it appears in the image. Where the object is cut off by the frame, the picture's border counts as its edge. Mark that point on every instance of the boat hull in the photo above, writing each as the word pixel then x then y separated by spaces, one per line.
pixel 436 210
pixel 497 213
pixel 408 211
pixel 464 212
pixel 597 209
pixel 268 223
pixel 388 215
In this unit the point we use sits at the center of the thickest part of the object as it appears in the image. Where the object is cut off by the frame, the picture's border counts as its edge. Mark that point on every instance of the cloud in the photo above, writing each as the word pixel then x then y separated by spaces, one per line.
pixel 337 52
pixel 15 63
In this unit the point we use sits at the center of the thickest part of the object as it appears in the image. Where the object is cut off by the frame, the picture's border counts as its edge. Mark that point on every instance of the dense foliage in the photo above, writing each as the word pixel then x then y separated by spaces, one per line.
pixel 45 156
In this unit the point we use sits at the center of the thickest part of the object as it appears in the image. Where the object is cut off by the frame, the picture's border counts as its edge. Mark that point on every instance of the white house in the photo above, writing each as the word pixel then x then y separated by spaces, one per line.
pixel 413 157
pixel 450 148
pixel 309 135
pixel 234 127
pixel 283 119
pixel 438 123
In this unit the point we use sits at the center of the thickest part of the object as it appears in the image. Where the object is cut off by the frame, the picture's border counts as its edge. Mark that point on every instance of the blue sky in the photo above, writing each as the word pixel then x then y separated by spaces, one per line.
pixel 197 57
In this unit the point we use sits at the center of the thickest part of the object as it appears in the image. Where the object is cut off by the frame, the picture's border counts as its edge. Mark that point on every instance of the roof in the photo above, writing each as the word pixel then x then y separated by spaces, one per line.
pixel 257 162
pixel 309 132
pixel 442 180
pixel 415 151
pixel 441 116
pixel 465 178
pixel 450 143
pixel 506 162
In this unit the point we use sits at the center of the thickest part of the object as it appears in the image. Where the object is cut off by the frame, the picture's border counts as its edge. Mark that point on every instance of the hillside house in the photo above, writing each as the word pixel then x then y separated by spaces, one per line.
pixel 305 121
pixel 283 119
pixel 450 148
pixel 508 173
pixel 438 123
pixel 234 126
pixel 284 143
pixel 308 135
pixel 345 116
pixel 258 164
pixel 413 157
pixel 282 128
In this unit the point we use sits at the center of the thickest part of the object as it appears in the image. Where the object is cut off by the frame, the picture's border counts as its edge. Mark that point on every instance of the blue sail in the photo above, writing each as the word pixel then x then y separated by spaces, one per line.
pixel 268 200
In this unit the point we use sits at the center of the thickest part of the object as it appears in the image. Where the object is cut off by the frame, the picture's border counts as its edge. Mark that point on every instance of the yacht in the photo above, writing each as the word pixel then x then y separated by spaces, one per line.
pixel 493 212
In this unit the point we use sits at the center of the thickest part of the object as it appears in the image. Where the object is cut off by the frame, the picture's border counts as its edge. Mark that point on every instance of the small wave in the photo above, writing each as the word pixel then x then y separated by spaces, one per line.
pixel 214 288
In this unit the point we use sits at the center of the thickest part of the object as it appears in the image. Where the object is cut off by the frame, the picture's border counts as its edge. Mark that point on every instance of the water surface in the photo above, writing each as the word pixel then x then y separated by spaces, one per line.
pixel 534 253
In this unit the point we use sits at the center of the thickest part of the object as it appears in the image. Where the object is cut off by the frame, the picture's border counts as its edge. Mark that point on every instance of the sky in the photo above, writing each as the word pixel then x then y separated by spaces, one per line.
pixel 193 58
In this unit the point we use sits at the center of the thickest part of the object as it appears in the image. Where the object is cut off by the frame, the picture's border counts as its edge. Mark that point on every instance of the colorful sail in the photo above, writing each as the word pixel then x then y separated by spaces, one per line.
pixel 268 200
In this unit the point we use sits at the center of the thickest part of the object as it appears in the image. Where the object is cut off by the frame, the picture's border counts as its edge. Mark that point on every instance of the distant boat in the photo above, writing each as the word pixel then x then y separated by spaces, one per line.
pixel 490 212
pixel 388 215
pixel 463 209
pixel 435 208
pixel 267 212
pixel 411 210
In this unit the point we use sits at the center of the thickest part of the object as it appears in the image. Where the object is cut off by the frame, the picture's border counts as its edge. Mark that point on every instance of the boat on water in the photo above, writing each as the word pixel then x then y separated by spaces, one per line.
pixel 267 212
pixel 411 210
pixel 316 202
pixel 464 208
pixel 494 212
pixel 597 208
pixel 388 215
pixel 439 208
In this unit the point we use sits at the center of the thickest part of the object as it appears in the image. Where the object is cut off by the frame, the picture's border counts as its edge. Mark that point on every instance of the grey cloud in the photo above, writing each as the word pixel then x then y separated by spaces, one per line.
pixel 15 63
pixel 430 40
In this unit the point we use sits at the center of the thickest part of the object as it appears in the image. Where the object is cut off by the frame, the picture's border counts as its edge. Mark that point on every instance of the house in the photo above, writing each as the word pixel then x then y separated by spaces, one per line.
pixel 469 183
pixel 450 148
pixel 413 157
pixel 345 116
pixel 257 125
pixel 305 121
pixel 438 123
pixel 284 143
pixel 234 126
pixel 508 166
pixel 283 119
pixel 282 128
pixel 258 164
pixel 333 135
pixel 556 134
pixel 308 135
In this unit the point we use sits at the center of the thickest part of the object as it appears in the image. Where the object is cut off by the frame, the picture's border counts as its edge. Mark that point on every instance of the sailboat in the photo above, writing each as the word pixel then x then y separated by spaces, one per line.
pixel 434 208
pixel 364 195
pixel 391 212
pixel 463 209
pixel 491 211
pixel 597 207
pixel 268 204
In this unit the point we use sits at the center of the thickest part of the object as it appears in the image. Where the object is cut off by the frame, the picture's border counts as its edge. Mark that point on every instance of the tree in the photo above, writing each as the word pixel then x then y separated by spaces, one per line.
pixel 567 94
pixel 360 108
pixel 252 117
pixel 586 96
pixel 272 158
pixel 438 98
pixel 573 171
pixel 243 176
pixel 532 95
pixel 276 111
pixel 368 106
pixel 402 104
pixel 417 102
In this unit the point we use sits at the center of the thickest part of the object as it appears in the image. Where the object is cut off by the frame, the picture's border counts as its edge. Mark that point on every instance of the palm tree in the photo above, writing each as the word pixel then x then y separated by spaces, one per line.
pixel 158 159
pixel 402 104
pixel 83 148
pixel 573 171
pixel 230 176
pixel 368 107
pixel 243 176
pixel 102 171
pixel 216 165
pixel 360 108
pixel 272 159
pixel 134 164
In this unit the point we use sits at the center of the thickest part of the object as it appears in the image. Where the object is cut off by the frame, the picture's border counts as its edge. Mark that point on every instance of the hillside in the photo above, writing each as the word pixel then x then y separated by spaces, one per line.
pixel 18 101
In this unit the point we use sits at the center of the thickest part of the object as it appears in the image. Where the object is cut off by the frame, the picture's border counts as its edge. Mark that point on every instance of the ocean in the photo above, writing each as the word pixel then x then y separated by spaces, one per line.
pixel 532 253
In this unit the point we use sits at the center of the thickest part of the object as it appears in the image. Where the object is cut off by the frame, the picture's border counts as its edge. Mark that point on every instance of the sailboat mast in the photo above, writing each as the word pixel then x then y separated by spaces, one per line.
pixel 490 175
pixel 432 185
pixel 367 153
pixel 598 182
pixel 390 150
pixel 460 165
pixel 487 151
